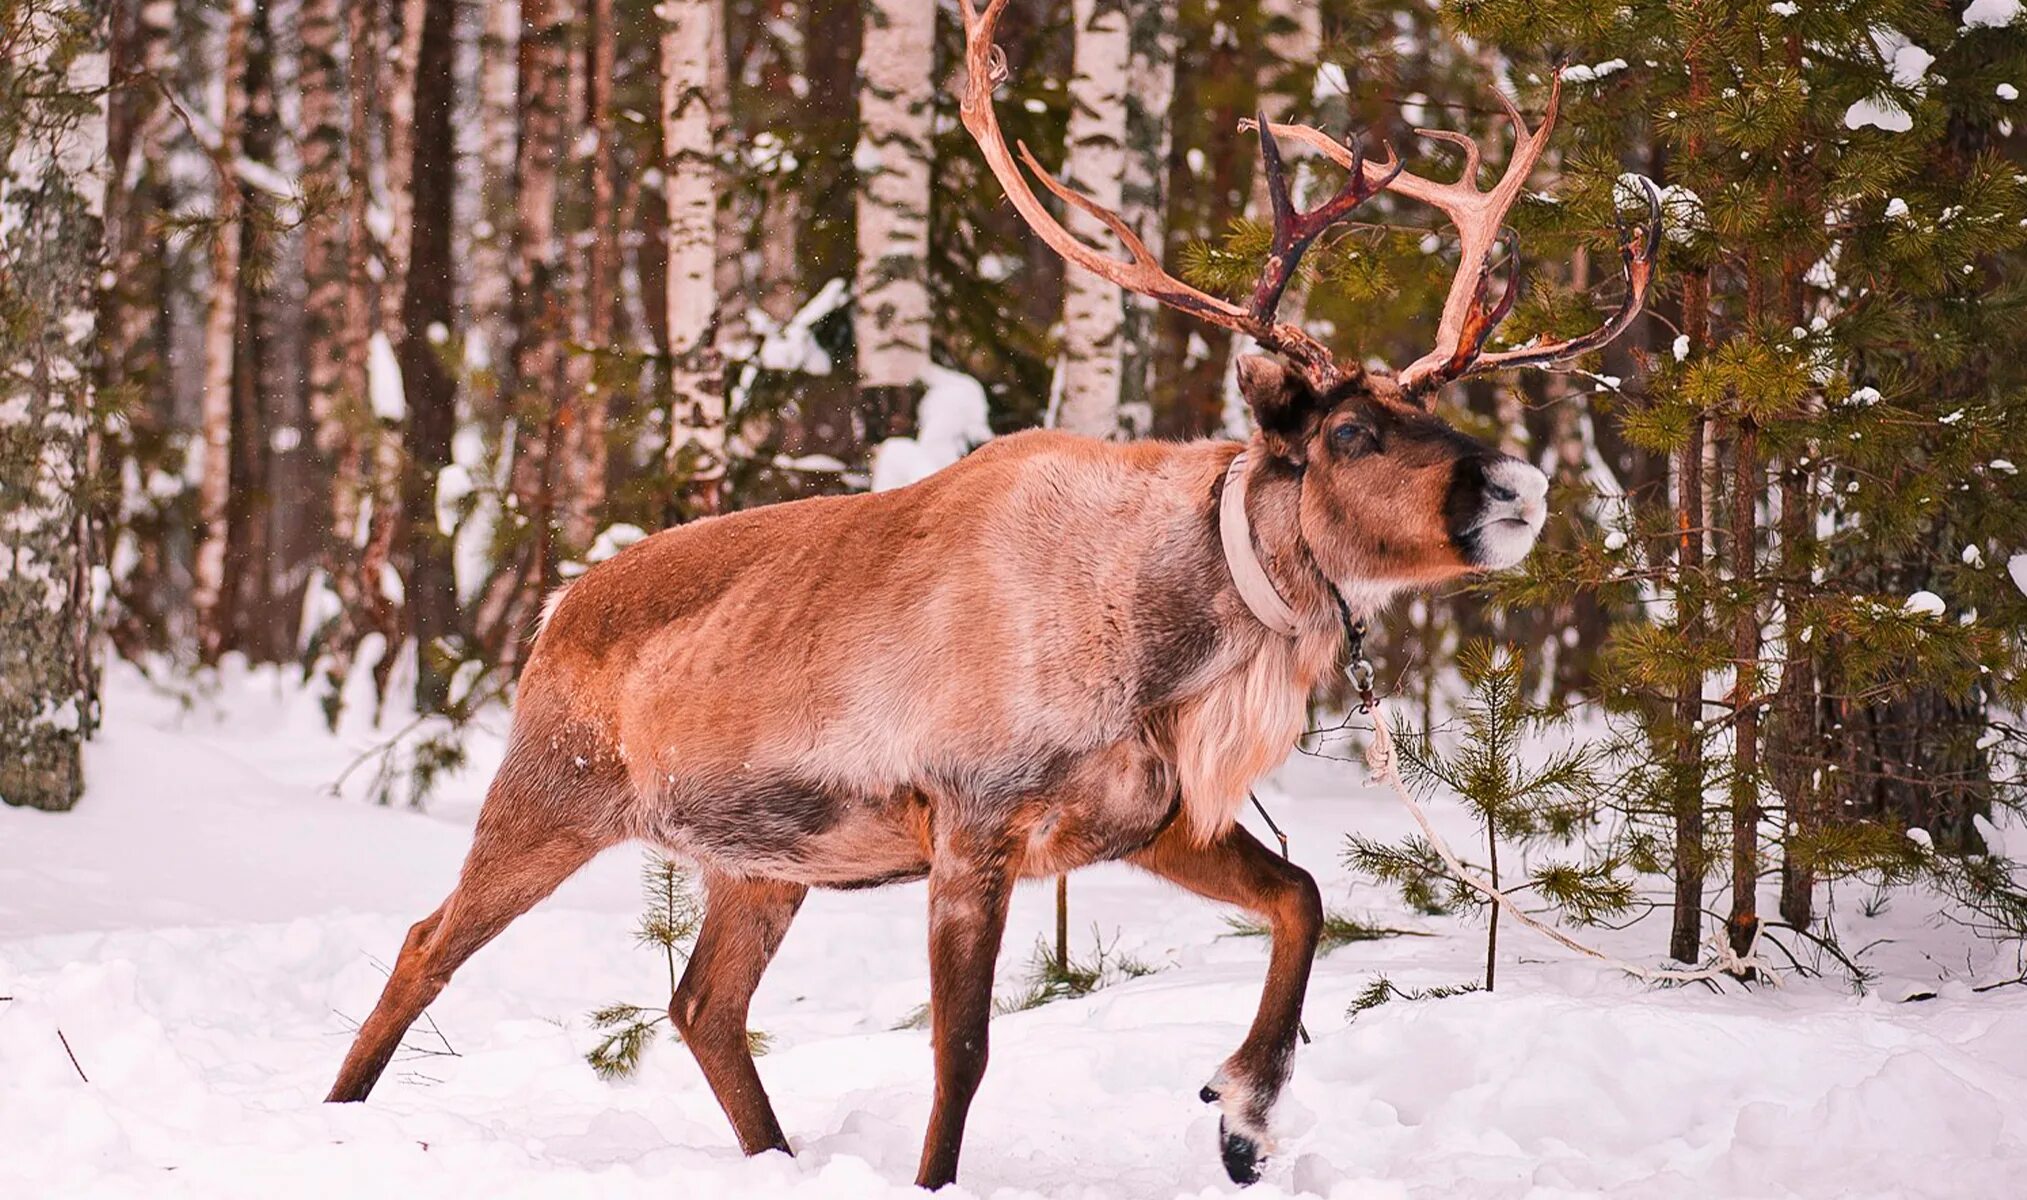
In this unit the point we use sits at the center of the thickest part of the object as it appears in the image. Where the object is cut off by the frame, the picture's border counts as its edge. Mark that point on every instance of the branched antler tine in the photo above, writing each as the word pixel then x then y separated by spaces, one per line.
pixel 1510 241
pixel 1111 220
pixel 1294 230
pixel 985 68
pixel 1520 129
pixel 1479 321
pixel 1639 247
pixel 1469 146
pixel 1277 180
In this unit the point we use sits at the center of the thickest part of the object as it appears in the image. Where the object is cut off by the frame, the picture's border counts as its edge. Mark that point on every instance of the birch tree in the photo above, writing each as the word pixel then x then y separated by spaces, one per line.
pixel 499 128
pixel 53 75
pixel 693 90
pixel 1093 308
pixel 890 318
pixel 322 85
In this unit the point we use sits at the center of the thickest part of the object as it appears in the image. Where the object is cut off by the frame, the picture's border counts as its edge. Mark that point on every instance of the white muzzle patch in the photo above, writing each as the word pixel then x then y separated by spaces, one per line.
pixel 1514 507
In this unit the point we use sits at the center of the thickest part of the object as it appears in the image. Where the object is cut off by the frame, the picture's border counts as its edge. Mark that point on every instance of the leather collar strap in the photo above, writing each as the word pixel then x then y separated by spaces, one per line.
pixel 1236 533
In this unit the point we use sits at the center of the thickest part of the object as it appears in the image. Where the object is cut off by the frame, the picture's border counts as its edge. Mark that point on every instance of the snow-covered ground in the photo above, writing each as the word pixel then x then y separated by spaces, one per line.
pixel 204 929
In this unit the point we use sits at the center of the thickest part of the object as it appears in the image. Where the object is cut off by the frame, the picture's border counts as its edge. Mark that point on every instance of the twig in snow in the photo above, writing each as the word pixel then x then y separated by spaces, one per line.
pixel 73 1056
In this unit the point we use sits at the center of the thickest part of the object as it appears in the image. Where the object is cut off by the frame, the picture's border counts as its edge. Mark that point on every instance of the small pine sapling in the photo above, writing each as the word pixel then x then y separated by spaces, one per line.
pixel 670 918
pixel 1549 804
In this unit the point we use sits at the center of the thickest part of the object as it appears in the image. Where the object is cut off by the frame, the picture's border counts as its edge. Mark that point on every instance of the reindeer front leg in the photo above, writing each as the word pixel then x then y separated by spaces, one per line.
pixel 970 878
pixel 1239 870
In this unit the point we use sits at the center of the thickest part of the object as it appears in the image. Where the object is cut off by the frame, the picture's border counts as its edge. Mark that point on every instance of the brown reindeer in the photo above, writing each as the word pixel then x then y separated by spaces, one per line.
pixel 1054 653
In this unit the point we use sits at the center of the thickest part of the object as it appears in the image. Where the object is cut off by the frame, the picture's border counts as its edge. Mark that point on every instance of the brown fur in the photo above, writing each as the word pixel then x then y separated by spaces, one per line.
pixel 1028 662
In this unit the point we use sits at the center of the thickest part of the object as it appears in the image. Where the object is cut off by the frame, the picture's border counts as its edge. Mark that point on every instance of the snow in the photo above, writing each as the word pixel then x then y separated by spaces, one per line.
pixel 1784 8
pixel 2016 568
pixel 1880 112
pixel 1924 604
pixel 793 345
pixel 1681 347
pixel 1591 73
pixel 950 422
pixel 383 380
pixel 1991 14
pixel 1682 213
pixel 1330 82
pixel 613 539
pixel 207 993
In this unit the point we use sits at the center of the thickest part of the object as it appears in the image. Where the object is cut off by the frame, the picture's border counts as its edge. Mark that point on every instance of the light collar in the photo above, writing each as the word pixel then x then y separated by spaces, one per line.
pixel 1262 598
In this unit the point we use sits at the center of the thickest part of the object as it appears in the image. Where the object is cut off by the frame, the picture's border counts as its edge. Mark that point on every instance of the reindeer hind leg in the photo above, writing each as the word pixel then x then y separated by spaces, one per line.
pixel 744 922
pixel 519 855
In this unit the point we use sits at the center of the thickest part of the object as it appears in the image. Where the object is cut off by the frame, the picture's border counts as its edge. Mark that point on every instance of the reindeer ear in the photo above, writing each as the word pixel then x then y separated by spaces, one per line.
pixel 1284 406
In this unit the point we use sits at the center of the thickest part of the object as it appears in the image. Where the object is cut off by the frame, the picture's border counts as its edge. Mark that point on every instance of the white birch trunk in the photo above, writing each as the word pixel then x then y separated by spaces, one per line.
pixel 499 127
pixel 692 117
pixel 53 176
pixel 890 317
pixel 1094 309
pixel 221 323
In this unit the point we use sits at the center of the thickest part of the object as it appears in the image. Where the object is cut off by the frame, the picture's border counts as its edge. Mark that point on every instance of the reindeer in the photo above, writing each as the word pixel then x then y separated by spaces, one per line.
pixel 1056 652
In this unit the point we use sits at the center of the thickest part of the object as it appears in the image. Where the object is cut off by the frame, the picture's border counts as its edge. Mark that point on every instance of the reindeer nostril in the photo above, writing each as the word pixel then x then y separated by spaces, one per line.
pixel 1500 492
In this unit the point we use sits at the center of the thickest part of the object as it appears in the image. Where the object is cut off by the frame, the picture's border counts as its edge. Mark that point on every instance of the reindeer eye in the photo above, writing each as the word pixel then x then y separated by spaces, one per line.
pixel 1354 438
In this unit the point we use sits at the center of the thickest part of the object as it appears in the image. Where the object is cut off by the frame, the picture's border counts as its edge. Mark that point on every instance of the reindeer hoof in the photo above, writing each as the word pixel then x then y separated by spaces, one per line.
pixel 1241 1154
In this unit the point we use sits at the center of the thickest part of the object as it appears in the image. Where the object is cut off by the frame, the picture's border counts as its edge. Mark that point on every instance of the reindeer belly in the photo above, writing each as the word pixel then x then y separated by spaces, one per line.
pixel 1074 809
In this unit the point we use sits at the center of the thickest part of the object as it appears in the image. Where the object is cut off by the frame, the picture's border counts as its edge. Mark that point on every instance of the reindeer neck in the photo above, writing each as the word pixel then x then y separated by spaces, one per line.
pixel 1274 513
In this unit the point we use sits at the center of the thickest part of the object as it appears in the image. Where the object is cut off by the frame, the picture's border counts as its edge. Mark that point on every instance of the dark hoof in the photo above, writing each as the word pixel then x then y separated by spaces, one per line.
pixel 1210 1095
pixel 1241 1154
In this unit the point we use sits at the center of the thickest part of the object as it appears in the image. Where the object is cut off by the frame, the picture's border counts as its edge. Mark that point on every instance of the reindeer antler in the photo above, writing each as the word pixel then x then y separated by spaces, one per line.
pixel 1479 216
pixel 1144 274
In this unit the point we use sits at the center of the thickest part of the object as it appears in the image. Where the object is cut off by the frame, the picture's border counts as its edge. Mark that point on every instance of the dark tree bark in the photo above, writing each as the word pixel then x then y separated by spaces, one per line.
pixel 429 303
pixel 250 622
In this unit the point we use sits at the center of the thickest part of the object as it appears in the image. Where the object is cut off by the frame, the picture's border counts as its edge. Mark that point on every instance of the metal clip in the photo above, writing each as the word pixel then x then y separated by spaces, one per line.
pixel 1361 674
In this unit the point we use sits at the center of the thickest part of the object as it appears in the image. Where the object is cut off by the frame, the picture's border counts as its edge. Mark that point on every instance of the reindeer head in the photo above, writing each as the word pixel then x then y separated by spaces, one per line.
pixel 1391 493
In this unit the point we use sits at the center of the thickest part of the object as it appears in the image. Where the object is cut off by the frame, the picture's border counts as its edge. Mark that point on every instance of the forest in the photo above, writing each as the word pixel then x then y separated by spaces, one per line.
pixel 340 334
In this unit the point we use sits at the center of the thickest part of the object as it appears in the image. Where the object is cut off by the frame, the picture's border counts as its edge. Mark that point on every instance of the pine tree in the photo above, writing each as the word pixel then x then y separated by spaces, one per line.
pixel 1842 231
pixel 1487 760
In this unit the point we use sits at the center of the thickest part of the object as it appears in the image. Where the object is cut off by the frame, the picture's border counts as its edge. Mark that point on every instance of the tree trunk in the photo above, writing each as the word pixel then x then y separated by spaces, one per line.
pixel 322 183
pixel 1690 861
pixel 540 320
pixel 1093 309
pixel 584 442
pixel 349 428
pixel 693 113
pixel 825 421
pixel 254 627
pixel 499 127
pixel 1743 921
pixel 52 202
pixel 428 309
pixel 1686 938
pixel 890 317
pixel 221 321
pixel 1150 87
